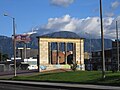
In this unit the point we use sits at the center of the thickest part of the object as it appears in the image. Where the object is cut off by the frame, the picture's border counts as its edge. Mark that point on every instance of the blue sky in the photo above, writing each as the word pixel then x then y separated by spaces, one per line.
pixel 47 14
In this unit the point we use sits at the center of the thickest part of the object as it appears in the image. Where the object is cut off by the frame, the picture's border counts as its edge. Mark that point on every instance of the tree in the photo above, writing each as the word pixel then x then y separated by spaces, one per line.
pixel 4 57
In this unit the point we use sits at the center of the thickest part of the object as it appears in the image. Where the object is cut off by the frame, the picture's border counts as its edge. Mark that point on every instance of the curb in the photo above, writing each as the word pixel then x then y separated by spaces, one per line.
pixel 61 85
pixel 44 84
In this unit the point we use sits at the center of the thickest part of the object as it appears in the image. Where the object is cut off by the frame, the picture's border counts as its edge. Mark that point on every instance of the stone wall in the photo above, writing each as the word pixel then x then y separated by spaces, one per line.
pixel 44 50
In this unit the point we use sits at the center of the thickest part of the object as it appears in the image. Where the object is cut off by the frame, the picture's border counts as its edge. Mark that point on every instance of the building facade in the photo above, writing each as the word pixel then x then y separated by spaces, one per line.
pixel 25 53
pixel 111 60
pixel 54 53
pixel 97 60
pixel 115 59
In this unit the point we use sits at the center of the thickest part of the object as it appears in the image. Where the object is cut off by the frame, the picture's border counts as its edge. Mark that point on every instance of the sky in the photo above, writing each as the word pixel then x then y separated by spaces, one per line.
pixel 46 16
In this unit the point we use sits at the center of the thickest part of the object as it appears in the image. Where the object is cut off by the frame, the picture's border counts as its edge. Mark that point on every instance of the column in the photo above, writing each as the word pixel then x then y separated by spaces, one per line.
pixel 65 53
pixel 74 53
pixel 57 52
pixel 50 50
pixel 80 53
pixel 38 56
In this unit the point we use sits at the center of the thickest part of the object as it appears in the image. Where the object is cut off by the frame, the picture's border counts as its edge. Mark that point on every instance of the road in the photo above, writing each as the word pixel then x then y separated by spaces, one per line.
pixel 23 87
pixel 26 87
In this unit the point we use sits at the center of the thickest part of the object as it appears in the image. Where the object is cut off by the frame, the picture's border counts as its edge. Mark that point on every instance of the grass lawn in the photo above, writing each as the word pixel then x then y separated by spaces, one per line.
pixel 82 77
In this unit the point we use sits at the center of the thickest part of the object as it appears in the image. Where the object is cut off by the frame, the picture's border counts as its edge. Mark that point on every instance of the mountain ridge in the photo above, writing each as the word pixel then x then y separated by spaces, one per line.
pixel 7 47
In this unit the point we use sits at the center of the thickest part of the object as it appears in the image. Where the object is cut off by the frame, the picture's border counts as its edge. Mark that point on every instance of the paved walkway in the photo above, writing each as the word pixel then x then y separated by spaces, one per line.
pixel 18 72
pixel 67 85
pixel 5 75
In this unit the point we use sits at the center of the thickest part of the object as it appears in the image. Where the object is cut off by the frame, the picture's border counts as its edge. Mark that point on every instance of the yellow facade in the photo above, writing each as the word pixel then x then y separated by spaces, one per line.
pixel 44 52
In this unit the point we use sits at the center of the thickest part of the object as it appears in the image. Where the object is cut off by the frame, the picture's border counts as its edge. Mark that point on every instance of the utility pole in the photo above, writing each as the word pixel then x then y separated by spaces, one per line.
pixel 117 46
pixel 25 50
pixel 14 42
pixel 90 55
pixel 102 41
pixel 14 46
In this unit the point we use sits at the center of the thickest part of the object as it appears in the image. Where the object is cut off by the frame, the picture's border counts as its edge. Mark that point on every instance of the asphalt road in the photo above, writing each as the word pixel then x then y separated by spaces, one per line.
pixel 22 87
pixel 26 87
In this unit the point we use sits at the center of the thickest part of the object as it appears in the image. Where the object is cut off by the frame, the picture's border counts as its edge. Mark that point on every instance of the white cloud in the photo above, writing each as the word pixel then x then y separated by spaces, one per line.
pixel 60 24
pixel 109 14
pixel 115 4
pixel 63 3
pixel 111 32
pixel 90 25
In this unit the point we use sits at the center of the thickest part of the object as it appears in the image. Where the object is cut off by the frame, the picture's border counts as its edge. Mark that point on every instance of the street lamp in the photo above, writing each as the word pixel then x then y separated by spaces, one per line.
pixel 14 42
pixel 102 41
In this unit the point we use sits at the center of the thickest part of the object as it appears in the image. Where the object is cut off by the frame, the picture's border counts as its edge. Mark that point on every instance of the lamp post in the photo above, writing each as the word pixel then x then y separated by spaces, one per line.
pixel 117 45
pixel 102 41
pixel 14 42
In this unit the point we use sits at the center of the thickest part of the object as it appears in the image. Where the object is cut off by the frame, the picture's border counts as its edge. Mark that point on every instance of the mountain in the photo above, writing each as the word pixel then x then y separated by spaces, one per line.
pixel 7 47
pixel 62 34
pixel 96 44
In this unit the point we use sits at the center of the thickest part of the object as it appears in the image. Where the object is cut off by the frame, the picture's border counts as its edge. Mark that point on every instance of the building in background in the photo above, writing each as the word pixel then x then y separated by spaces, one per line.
pixel 87 61
pixel 111 61
pixel 26 53
pixel 28 57
pixel 115 54
pixel 97 60
pixel 57 51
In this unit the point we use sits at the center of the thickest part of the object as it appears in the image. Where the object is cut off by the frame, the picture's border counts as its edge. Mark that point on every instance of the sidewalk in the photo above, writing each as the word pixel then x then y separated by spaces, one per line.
pixel 18 72
pixel 10 74
pixel 66 85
